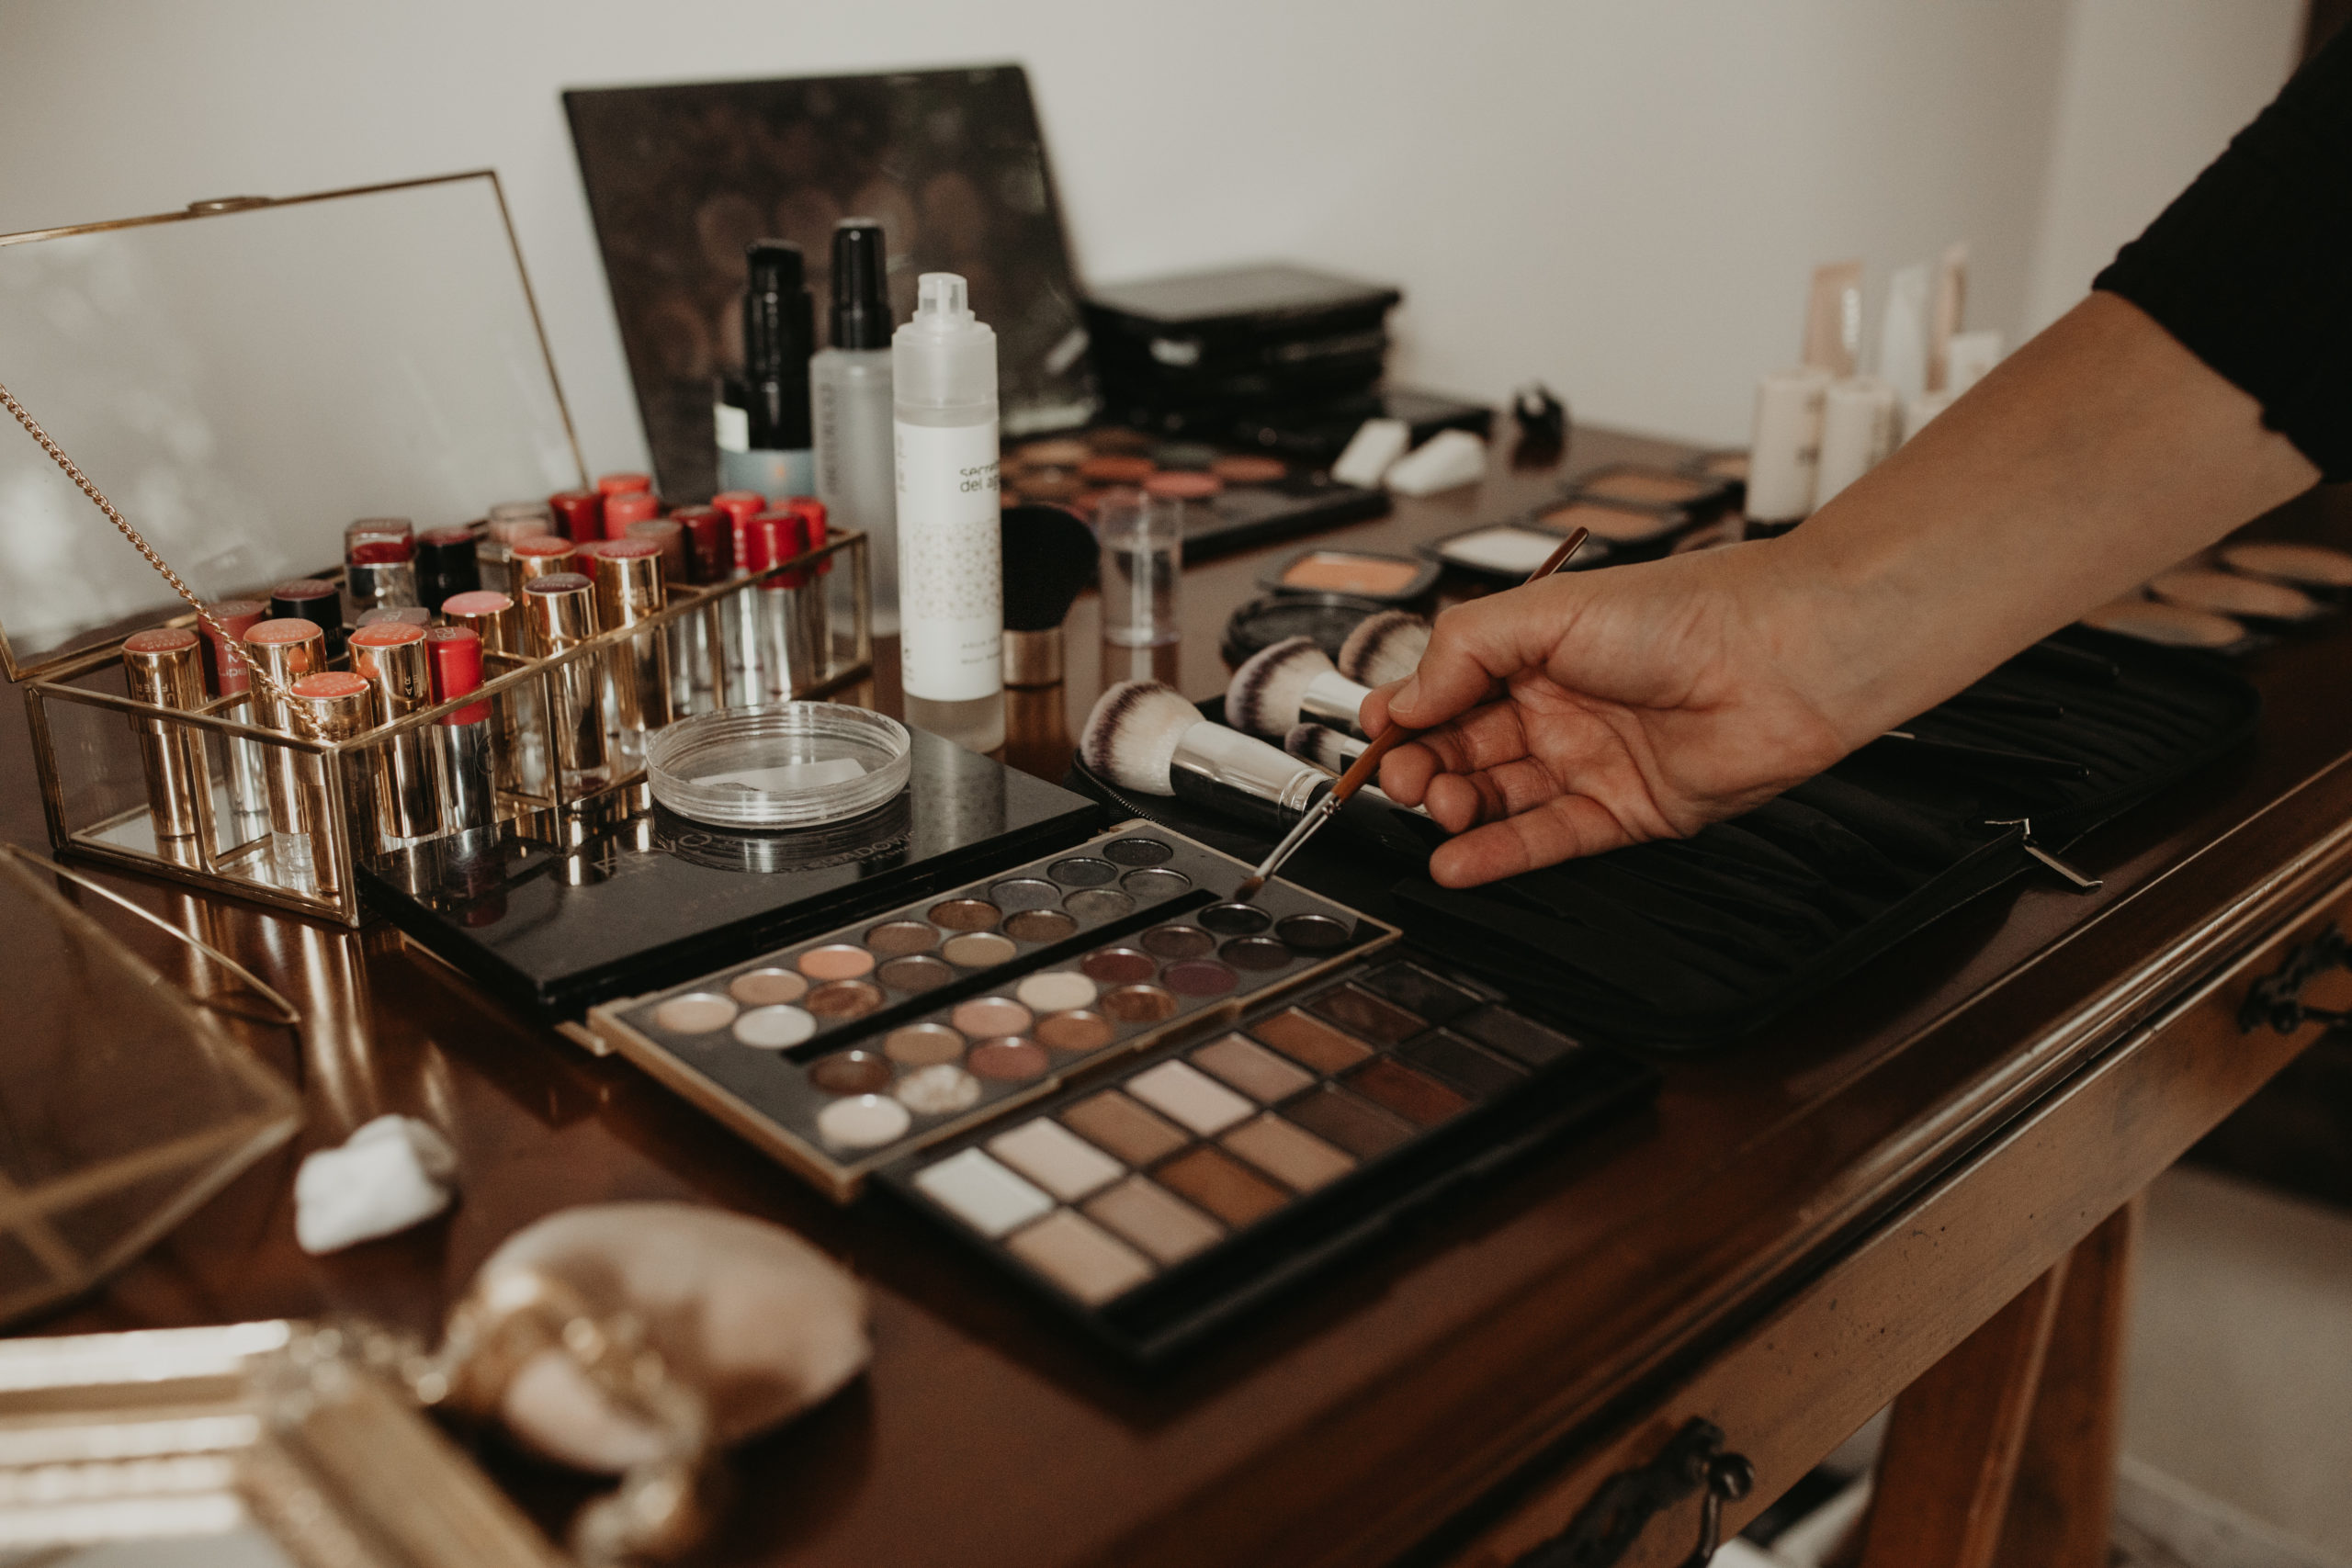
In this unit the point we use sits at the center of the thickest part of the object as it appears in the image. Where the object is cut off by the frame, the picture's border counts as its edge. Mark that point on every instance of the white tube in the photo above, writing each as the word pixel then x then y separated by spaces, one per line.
pixel 1860 420
pixel 1785 452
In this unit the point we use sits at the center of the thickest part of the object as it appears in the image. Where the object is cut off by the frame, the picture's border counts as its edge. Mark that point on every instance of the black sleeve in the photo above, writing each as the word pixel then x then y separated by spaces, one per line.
pixel 2251 267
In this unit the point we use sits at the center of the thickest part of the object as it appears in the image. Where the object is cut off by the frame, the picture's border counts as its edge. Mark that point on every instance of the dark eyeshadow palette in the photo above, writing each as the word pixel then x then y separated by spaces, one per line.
pixel 841 1053
pixel 1194 1181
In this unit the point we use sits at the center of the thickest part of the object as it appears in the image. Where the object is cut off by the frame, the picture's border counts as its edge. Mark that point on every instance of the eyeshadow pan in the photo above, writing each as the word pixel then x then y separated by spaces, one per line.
pixel 1112 1121
pixel 862 1122
pixel 839 961
pixel 1025 893
pixel 697 1012
pixel 1055 1158
pixel 1199 978
pixel 1154 1219
pixel 1338 1117
pixel 1099 904
pixel 1365 1014
pixel 1520 1039
pixel 1642 484
pixel 922 1044
pixel 774 1029
pixel 1154 882
pixel 844 999
pixel 1177 942
pixel 851 1071
pixel 1259 954
pixel 1009 1060
pixel 938 1090
pixel 1075 1031
pixel 1296 1158
pixel 916 972
pixel 1307 1039
pixel 985 1018
pixel 1138 851
pixel 965 915
pixel 894 937
pixel 1081 1256
pixel 982 1193
pixel 1314 933
pixel 1475 1072
pixel 1222 1184
pixel 765 987
pixel 1198 1102
pixel 1139 1004
pixel 1252 1068
pixel 1055 990
pixel 977 950
pixel 1119 966
pixel 1039 925
pixel 1415 1096
pixel 1083 870
pixel 1234 919
pixel 1616 524
pixel 1410 986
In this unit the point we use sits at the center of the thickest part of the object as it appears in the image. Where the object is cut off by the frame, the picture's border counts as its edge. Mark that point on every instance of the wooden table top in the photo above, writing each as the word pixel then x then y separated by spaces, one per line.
pixel 1347 1425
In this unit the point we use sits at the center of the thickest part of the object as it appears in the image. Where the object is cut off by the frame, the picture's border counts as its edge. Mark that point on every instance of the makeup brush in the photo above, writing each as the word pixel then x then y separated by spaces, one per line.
pixel 1145 737
pixel 1049 558
pixel 1384 647
pixel 1288 683
pixel 1324 745
pixel 1360 772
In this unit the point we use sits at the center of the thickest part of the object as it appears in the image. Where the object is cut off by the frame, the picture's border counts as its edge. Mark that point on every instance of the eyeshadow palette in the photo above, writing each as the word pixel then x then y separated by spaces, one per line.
pixel 1159 1198
pixel 1640 485
pixel 840 1053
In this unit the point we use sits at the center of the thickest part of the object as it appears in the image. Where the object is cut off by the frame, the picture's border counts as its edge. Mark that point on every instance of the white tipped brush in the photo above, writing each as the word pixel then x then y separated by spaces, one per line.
pixel 1324 745
pixel 1290 683
pixel 1144 736
pixel 1384 647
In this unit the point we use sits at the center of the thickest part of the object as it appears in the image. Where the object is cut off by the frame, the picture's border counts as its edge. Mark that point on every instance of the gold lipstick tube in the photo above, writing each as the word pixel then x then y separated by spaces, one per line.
pixel 165 667
pixel 391 657
pixel 541 554
pixel 559 613
pixel 285 651
pixel 518 757
pixel 338 705
pixel 630 589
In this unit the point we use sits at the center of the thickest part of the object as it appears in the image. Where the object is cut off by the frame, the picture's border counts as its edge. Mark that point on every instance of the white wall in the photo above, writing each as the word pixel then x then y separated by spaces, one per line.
pixel 1623 198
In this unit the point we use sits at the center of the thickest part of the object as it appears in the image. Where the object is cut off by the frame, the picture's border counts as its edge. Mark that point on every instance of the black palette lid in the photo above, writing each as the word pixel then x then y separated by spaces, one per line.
pixel 1275 297
pixel 654 897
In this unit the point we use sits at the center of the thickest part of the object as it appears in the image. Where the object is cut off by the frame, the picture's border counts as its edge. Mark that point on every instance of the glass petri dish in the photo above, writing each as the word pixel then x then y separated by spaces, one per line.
pixel 778 764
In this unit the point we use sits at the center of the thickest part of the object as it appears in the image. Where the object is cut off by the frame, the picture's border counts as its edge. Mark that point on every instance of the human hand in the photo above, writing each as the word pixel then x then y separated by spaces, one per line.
pixel 1598 709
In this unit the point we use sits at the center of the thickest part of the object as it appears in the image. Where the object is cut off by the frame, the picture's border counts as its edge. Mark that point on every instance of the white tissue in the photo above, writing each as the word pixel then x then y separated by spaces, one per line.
pixel 1450 457
pixel 386 1176
pixel 1376 444
pixel 790 778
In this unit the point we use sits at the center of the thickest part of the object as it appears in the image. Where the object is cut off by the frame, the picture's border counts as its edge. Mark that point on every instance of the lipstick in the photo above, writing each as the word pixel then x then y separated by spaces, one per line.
pixel 227 674
pixel 611 485
pixel 315 600
pixel 816 637
pixel 709 543
pixel 378 564
pixel 541 554
pixel 518 755
pixel 286 650
pixel 391 657
pixel 559 613
pixel 336 704
pixel 164 666
pixel 782 535
pixel 742 641
pixel 629 590
pixel 494 551
pixel 405 615
pixel 688 636
pixel 446 564
pixel 629 507
pixel 579 514
pixel 464 759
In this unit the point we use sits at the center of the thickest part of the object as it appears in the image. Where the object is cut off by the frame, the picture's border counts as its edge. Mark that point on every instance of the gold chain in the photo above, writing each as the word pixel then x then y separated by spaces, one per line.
pixel 270 684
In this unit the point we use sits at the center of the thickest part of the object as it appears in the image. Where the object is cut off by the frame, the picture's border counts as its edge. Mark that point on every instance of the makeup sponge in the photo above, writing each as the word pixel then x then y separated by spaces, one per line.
pixel 391 1173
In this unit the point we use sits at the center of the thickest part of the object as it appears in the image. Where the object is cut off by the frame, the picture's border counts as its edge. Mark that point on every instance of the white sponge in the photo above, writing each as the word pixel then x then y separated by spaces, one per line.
pixel 1376 444
pixel 1450 457
pixel 386 1176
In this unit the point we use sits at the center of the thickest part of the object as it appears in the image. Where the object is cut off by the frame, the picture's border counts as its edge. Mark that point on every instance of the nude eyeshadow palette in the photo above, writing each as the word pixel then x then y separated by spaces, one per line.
pixel 1190 1182
pixel 841 1053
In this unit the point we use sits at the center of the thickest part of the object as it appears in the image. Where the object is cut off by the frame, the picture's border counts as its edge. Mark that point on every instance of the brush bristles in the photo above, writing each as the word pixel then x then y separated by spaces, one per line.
pixel 1384 647
pixel 1323 746
pixel 1130 738
pixel 1264 696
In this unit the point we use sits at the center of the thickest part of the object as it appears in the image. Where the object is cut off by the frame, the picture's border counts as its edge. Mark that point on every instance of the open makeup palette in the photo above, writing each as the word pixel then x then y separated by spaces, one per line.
pixel 1152 1104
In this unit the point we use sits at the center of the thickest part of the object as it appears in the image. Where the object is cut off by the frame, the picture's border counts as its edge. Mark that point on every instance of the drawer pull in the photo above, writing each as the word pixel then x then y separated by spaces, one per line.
pixel 2277 1001
pixel 1625 1502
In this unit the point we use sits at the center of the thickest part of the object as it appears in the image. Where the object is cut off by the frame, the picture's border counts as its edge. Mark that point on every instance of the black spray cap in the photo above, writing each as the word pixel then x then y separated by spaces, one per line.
pixel 775 266
pixel 779 334
pixel 860 285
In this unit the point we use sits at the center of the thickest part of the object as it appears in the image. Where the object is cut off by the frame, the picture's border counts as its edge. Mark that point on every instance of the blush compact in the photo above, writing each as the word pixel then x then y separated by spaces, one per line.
pixel 1364 574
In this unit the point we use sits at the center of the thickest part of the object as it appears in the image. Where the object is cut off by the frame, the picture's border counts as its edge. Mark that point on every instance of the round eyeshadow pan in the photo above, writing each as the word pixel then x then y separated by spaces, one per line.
pixel 893 938
pixel 851 1071
pixel 937 1090
pixel 915 972
pixel 774 1028
pixel 985 1018
pixel 1234 920
pixel 1099 904
pixel 1008 1061
pixel 839 961
pixel 965 915
pixel 1179 942
pixel 1055 990
pixel 1083 870
pixel 1258 953
pixel 922 1044
pixel 1138 851
pixel 1154 882
pixel 1025 893
pixel 1040 925
pixel 766 988
pixel 844 999
pixel 1199 978
pixel 1119 966
pixel 1075 1031
pixel 863 1122
pixel 1139 1004
pixel 697 1012
pixel 1314 933
pixel 977 950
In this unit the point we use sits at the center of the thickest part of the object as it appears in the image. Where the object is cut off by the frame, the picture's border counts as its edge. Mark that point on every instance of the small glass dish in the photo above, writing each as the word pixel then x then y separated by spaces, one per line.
pixel 779 764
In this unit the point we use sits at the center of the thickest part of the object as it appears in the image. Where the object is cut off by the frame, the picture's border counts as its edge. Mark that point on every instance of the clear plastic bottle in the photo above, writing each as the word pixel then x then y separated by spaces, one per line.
pixel 951 566
pixel 849 387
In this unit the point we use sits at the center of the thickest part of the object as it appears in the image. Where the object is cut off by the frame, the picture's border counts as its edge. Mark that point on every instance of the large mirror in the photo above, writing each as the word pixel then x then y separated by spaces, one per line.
pixel 243 383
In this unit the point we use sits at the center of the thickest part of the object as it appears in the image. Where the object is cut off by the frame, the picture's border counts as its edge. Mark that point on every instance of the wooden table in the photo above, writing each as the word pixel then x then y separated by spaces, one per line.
pixel 1802 1227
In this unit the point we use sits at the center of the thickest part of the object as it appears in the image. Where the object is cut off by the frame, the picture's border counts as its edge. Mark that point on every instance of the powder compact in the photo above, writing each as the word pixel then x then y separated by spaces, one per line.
pixel 2168 626
pixel 1665 490
pixel 1328 618
pixel 1509 551
pixel 1365 574
pixel 2227 593
pixel 2313 567
pixel 1617 523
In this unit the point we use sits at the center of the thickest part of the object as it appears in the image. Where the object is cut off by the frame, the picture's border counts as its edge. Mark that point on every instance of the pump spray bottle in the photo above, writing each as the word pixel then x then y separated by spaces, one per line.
pixel 849 388
pixel 762 421
pixel 951 569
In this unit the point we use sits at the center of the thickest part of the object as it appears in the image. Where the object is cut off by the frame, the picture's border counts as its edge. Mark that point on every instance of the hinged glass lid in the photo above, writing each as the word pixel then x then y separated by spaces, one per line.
pixel 245 378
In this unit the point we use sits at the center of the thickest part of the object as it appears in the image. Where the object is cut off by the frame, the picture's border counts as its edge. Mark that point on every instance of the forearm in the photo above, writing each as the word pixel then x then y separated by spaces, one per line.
pixel 2097 454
